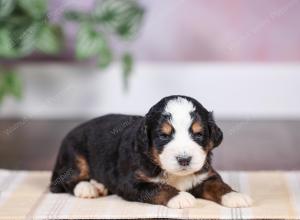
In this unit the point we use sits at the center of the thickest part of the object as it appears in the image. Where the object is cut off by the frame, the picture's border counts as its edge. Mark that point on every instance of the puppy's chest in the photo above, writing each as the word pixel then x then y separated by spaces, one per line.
pixel 182 183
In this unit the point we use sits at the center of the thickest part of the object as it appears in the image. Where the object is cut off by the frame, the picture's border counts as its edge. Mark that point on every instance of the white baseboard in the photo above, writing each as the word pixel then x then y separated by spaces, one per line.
pixel 231 90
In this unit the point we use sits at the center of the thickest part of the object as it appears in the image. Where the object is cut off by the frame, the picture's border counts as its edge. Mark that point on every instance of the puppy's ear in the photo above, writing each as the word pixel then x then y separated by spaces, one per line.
pixel 142 139
pixel 215 133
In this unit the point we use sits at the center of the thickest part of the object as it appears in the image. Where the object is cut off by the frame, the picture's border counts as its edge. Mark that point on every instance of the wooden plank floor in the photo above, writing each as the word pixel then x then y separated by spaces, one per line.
pixel 248 144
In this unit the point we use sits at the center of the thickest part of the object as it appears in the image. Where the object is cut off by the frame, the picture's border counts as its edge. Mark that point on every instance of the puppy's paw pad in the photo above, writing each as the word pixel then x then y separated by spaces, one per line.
pixel 182 200
pixel 236 200
pixel 102 190
pixel 85 189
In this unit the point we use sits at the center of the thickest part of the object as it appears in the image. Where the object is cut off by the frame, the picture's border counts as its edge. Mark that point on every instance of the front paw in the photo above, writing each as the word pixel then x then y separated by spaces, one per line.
pixel 85 189
pixel 236 200
pixel 182 200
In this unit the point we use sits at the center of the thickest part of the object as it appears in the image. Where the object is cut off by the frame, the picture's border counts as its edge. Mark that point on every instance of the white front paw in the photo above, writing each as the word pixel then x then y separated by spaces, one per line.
pixel 236 200
pixel 182 200
pixel 102 190
pixel 85 189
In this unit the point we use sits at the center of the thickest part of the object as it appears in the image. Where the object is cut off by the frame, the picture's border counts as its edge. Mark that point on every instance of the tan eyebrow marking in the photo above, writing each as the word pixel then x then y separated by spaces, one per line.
pixel 197 127
pixel 166 128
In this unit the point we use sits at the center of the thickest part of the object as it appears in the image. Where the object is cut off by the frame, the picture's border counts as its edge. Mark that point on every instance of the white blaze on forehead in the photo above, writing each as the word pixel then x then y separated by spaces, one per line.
pixel 180 109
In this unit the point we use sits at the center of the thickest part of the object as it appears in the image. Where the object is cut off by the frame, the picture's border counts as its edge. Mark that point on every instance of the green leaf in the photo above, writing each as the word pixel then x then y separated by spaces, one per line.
pixel 6 44
pixel 121 16
pixel 130 22
pixel 124 30
pixel 2 93
pixel 105 57
pixel 2 88
pixel 89 42
pixel 29 39
pixel 50 39
pixel 24 38
pixel 104 12
pixel 34 8
pixel 10 84
pixel 127 65
pixel 13 84
pixel 76 16
pixel 6 7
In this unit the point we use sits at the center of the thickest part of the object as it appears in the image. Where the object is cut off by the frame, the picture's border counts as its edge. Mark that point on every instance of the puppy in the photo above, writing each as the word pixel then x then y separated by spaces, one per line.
pixel 163 158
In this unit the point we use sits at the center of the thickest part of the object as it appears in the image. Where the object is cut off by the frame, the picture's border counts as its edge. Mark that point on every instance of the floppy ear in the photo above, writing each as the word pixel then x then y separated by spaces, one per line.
pixel 142 140
pixel 215 133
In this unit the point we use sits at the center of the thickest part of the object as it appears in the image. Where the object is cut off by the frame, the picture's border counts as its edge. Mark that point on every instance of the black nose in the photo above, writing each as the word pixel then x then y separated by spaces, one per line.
pixel 184 160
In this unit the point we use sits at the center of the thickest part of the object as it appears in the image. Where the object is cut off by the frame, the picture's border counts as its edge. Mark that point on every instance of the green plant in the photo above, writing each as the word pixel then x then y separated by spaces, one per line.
pixel 109 19
pixel 25 28
pixel 10 84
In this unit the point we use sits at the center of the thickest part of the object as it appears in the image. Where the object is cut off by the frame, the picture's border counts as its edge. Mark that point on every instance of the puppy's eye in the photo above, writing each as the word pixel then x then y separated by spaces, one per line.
pixel 198 135
pixel 165 136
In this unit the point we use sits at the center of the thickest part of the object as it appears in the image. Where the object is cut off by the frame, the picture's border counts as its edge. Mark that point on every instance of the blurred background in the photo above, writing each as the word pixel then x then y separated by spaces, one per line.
pixel 64 62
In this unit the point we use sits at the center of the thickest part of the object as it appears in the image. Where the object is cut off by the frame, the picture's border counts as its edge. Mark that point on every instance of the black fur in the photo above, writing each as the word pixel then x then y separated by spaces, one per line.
pixel 118 147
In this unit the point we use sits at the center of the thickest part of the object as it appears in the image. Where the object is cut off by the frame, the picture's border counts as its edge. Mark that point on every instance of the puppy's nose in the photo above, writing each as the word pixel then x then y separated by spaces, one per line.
pixel 184 160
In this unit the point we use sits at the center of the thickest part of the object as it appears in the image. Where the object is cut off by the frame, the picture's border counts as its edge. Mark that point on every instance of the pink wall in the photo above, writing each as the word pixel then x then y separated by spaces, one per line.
pixel 213 30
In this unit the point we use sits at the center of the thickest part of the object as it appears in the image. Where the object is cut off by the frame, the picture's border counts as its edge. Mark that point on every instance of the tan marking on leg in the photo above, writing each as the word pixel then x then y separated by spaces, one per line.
pixel 215 189
pixel 163 196
pixel 83 167
pixel 142 176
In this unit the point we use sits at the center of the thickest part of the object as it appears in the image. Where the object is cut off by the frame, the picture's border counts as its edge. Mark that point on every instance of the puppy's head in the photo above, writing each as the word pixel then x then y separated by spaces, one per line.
pixel 181 133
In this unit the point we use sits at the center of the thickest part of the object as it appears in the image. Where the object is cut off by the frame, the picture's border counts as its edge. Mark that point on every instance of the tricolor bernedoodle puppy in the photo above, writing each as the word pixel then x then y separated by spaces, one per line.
pixel 162 158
